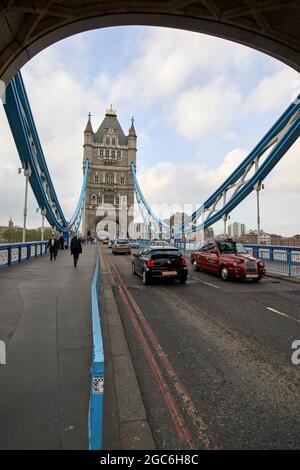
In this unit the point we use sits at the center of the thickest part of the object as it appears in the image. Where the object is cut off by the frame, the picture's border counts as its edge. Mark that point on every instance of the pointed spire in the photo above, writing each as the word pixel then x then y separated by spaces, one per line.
pixel 132 129
pixel 89 125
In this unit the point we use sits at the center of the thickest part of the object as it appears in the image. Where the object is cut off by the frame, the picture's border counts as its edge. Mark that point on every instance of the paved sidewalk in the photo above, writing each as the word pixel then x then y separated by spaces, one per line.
pixel 45 320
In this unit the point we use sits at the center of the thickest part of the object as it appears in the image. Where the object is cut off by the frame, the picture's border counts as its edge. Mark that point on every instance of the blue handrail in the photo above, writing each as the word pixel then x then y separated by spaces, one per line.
pixel 95 420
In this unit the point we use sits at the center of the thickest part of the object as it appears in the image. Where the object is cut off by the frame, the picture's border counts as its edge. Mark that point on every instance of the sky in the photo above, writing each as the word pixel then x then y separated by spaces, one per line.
pixel 200 105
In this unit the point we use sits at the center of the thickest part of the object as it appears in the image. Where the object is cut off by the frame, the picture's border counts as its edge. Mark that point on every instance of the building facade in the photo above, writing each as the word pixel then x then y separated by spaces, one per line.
pixel 109 203
pixel 236 230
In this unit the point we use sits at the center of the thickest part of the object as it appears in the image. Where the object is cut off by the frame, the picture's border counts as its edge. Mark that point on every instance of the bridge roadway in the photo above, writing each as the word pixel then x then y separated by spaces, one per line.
pixel 45 320
pixel 213 359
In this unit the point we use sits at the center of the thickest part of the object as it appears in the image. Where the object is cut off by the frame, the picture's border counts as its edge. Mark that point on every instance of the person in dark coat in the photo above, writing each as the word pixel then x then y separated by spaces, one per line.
pixel 76 249
pixel 52 247
pixel 62 242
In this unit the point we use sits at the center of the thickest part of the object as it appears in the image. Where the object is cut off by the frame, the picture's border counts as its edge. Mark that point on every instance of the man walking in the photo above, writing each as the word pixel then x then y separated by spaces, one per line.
pixel 61 242
pixel 52 246
pixel 76 249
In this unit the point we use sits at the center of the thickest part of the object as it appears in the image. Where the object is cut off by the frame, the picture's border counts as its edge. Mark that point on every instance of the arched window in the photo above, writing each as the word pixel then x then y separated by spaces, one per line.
pixel 122 180
pixel 107 141
pixel 109 178
pixel 113 142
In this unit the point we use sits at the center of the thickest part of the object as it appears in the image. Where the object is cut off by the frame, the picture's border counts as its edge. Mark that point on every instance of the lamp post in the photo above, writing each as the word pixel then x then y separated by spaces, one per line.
pixel 225 218
pixel 27 173
pixel 43 212
pixel 259 185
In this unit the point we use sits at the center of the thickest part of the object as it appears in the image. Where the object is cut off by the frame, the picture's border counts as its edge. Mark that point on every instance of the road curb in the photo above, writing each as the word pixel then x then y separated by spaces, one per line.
pixel 284 278
pixel 125 422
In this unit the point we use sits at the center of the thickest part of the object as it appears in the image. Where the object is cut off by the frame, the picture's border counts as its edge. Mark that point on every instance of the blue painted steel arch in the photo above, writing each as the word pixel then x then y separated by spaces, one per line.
pixel 20 118
pixel 278 140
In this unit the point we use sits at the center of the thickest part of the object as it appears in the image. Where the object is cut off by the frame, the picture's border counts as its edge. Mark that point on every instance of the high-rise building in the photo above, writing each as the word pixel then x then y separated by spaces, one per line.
pixel 209 233
pixel 109 202
pixel 236 230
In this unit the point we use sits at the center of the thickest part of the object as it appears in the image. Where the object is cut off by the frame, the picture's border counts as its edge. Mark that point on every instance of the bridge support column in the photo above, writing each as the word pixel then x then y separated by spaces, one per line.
pixel 27 173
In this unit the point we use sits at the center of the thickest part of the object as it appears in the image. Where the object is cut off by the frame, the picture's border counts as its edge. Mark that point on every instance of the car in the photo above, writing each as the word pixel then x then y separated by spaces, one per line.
pixel 229 259
pixel 159 262
pixel 121 245
pixel 159 243
pixel 110 243
pixel 134 243
pixel 105 241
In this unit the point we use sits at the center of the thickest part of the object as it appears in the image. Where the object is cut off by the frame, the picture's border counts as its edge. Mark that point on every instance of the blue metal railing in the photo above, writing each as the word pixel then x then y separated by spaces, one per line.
pixel 95 420
pixel 12 253
pixel 284 260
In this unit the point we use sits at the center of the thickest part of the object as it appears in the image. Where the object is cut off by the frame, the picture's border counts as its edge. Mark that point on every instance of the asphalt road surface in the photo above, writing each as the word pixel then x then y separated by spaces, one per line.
pixel 213 358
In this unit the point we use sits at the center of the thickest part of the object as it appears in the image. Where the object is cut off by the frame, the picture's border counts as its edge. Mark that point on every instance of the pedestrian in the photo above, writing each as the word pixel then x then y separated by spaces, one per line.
pixel 52 246
pixel 62 242
pixel 76 249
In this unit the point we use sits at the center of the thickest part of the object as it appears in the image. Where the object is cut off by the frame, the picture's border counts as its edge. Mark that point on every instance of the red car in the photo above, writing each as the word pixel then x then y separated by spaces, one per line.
pixel 229 259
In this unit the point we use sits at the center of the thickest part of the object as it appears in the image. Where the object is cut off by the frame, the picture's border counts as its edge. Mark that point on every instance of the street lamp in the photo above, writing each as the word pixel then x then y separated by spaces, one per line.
pixel 27 173
pixel 43 213
pixel 259 185
pixel 225 218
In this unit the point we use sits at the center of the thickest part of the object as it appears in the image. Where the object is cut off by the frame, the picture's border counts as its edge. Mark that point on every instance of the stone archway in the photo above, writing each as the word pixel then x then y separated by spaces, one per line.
pixel 28 27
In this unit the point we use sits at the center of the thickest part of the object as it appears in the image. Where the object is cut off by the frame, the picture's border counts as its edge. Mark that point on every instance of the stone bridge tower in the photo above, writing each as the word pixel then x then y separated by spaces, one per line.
pixel 110 195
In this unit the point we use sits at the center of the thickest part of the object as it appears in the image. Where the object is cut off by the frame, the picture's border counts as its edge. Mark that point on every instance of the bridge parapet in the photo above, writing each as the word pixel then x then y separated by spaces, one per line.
pixel 283 260
pixel 12 253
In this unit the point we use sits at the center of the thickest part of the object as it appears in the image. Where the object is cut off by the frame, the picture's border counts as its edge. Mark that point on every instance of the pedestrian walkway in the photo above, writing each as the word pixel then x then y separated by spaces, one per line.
pixel 45 321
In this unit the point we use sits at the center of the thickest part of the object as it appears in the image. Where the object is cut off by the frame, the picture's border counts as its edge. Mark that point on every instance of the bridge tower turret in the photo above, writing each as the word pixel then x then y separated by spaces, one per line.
pixel 88 141
pixel 132 138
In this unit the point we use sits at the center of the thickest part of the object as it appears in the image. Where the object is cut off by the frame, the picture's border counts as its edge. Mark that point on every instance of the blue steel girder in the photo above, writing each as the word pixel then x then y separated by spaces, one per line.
pixel 157 225
pixel 30 152
pixel 75 220
pixel 241 182
pixel 271 148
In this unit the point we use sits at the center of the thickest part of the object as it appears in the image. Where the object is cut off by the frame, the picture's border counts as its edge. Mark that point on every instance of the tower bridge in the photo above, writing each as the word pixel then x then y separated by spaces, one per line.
pixel 110 194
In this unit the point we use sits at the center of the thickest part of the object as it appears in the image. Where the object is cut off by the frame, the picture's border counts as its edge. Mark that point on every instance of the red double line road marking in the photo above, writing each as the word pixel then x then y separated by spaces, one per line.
pixel 180 426
pixel 189 405
pixel 196 419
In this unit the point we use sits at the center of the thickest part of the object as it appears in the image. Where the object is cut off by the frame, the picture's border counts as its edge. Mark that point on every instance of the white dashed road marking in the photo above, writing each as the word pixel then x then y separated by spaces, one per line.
pixel 283 314
pixel 204 282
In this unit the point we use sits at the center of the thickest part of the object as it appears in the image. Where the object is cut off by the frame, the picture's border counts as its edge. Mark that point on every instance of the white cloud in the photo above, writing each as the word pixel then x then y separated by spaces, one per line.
pixel 206 111
pixel 186 184
pixel 272 92
pixel 167 59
